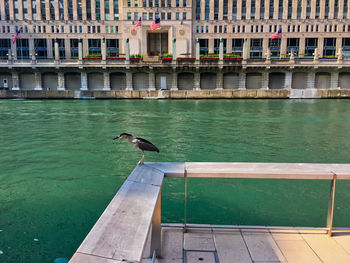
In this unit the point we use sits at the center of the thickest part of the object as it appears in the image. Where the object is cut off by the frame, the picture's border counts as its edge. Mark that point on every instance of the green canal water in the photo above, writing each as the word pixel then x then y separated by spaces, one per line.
pixel 59 167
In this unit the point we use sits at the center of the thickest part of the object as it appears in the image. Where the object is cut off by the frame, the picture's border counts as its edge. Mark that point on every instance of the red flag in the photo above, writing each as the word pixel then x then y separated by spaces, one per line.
pixel 138 23
pixel 155 24
pixel 18 35
pixel 278 34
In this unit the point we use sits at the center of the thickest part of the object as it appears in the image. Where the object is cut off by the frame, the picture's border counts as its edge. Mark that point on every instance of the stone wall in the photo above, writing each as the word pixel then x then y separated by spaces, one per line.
pixel 173 94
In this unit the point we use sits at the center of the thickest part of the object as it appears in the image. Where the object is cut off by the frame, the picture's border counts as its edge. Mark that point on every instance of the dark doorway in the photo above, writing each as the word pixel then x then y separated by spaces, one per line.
pixel 157 43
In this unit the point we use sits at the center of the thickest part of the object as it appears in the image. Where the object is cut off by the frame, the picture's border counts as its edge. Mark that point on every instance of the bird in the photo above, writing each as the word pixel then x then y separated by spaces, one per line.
pixel 140 143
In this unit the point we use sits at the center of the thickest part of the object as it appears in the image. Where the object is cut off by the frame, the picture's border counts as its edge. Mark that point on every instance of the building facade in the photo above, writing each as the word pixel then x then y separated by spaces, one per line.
pixel 89 44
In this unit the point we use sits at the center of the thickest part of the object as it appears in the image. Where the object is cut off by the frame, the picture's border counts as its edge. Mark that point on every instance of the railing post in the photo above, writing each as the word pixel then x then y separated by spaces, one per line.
pixel 156 229
pixel 331 206
pixel 185 212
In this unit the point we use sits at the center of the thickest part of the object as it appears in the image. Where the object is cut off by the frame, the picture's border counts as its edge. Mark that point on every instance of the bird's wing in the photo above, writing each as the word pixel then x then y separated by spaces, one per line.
pixel 146 145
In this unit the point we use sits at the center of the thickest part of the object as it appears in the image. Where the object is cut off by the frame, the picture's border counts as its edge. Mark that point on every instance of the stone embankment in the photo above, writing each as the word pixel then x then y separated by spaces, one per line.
pixel 176 94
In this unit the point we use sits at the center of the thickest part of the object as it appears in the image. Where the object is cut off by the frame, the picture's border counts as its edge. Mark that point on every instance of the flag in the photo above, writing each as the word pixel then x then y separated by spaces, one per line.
pixel 138 23
pixel 278 34
pixel 155 24
pixel 18 35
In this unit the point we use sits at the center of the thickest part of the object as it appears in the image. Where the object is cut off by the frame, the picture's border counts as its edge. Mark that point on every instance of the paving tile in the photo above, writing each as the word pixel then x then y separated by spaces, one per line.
pixel 226 231
pixel 297 251
pixel 288 234
pixel 200 257
pixel 172 243
pixel 199 241
pixel 163 260
pixel 254 231
pixel 231 248
pixel 343 239
pixel 262 247
pixel 327 248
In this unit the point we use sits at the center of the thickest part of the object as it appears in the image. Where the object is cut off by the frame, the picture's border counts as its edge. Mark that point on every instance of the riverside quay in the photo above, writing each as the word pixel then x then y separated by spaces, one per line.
pixel 203 49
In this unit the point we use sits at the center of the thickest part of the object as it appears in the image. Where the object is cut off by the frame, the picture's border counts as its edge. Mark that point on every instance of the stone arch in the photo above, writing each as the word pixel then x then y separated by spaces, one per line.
pixel 72 81
pixel 322 80
pixel 185 81
pixel 27 81
pixel 344 80
pixel 49 80
pixel 253 80
pixel 231 80
pixel 299 80
pixel 95 81
pixel 168 80
pixel 118 81
pixel 276 80
pixel 140 81
pixel 208 80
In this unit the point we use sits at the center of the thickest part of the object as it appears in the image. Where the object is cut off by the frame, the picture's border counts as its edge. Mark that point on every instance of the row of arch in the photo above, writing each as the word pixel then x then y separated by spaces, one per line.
pixel 185 80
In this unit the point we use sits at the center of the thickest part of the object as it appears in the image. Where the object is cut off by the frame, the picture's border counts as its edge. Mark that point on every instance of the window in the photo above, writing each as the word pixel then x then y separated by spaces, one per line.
pixel 198 9
pixel 256 47
pixel 197 29
pixel 163 16
pixel 234 9
pixel 80 9
pixel 116 9
pixel 70 10
pixel 203 46
pixel 150 16
pixel 177 16
pixel 129 16
pixel 206 11
pixel 293 46
pixel 94 46
pixel 40 47
pixel 207 29
pixel 169 16
pixel 183 16
pixel 97 9
pixel 217 45
pixel 216 9
pixel 61 9
pixel 107 14
pixel 74 53
pixel 112 47
pixel 5 45
pixel 237 46
pixel 61 47
pixel 43 9
pixel 144 16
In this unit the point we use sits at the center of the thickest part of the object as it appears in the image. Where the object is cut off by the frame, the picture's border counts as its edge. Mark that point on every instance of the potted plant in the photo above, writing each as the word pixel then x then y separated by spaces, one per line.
pixel 232 58
pixel 210 58
pixel 166 57
pixel 121 57
pixel 186 59
pixel 135 58
pixel 93 56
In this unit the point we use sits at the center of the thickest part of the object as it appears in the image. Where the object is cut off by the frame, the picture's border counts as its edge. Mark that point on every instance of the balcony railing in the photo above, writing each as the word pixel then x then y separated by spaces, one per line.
pixel 120 234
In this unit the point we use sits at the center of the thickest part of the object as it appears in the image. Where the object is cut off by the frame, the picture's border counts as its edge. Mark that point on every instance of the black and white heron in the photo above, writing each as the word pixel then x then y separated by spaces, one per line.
pixel 140 143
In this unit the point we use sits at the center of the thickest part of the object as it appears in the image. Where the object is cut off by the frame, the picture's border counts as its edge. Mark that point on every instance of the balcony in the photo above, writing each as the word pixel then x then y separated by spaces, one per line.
pixel 130 228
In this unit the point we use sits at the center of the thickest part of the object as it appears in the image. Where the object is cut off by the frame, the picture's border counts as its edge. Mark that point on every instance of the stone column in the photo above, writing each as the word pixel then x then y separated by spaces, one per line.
pixel 311 80
pixel 37 81
pixel 265 80
pixel 283 49
pixel 49 48
pixel 61 84
pixel 220 80
pixel 245 50
pixel 67 48
pixel 288 80
pixel 316 56
pixel 174 81
pixel 320 46
pixel 221 49
pixel 33 56
pixel 80 50
pixel 301 47
pixel 9 56
pixel 265 47
pixel 57 51
pixel 129 81
pixel 174 49
pixel 103 50
pixel 15 81
pixel 84 81
pixel 241 83
pixel 127 49
pixel 197 80
pixel 340 56
pixel 106 81
pixel 151 80
pixel 335 80
pixel 198 48
pixel 211 45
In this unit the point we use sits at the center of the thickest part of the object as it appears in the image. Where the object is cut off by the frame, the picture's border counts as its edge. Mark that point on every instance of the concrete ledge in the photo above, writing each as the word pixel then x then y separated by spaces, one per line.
pixel 175 94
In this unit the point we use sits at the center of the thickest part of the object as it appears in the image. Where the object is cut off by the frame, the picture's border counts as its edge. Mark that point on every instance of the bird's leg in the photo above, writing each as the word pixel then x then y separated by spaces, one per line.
pixel 143 157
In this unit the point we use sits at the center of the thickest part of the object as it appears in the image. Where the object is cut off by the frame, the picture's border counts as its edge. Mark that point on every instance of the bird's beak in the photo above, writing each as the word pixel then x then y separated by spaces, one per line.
pixel 116 138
